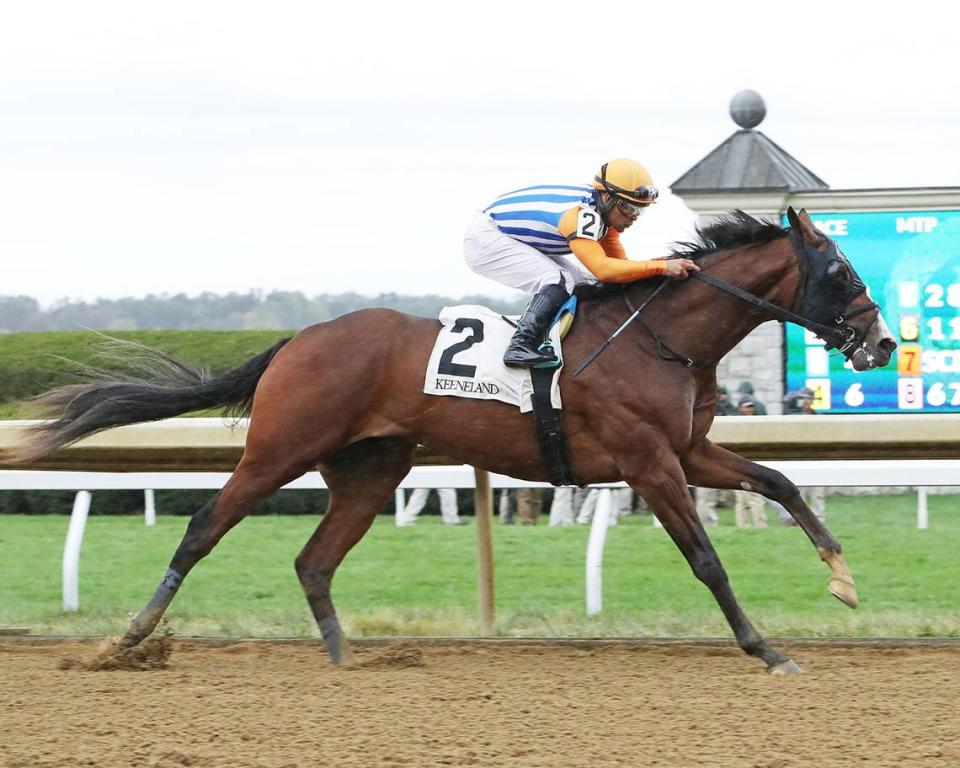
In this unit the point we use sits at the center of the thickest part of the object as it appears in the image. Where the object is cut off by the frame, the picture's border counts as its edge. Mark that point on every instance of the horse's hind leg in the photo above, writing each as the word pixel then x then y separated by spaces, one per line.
pixel 665 489
pixel 361 479
pixel 711 466
pixel 253 481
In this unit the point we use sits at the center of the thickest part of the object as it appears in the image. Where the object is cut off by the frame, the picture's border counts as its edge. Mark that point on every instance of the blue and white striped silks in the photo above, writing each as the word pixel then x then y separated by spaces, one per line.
pixel 532 215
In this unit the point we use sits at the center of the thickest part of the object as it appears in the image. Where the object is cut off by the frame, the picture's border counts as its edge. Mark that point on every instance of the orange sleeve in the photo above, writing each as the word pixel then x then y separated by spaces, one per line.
pixel 612 268
pixel 606 259
pixel 612 245
pixel 567 226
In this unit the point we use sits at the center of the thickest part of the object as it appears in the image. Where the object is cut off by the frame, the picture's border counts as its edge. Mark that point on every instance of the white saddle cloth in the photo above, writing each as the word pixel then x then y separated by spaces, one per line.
pixel 467 359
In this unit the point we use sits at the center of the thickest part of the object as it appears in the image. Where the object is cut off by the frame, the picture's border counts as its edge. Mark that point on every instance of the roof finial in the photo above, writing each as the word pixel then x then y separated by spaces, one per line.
pixel 747 109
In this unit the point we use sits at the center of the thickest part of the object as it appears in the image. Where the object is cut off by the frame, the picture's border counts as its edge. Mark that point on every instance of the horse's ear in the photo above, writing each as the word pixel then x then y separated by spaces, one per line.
pixel 792 218
pixel 803 224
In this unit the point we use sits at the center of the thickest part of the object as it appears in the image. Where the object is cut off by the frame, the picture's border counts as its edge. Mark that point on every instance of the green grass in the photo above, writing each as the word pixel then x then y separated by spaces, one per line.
pixel 421 580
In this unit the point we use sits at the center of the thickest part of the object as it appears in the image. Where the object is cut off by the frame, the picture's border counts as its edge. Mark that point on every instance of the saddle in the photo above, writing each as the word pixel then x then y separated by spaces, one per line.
pixel 467 361
pixel 565 317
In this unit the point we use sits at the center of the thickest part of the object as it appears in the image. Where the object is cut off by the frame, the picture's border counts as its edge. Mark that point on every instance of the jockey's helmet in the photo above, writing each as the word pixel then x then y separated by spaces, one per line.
pixel 628 183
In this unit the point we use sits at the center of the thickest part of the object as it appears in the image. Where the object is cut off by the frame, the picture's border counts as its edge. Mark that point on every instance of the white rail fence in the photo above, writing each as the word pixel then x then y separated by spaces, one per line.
pixel 919 474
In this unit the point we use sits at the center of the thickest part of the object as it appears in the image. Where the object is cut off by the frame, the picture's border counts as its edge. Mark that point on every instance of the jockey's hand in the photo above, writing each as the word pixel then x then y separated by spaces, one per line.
pixel 680 267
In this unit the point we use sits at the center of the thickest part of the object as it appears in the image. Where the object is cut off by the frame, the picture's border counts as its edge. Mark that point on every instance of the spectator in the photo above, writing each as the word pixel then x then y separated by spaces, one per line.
pixel 506 509
pixel 749 507
pixel 529 505
pixel 801 403
pixel 746 390
pixel 706 498
pixel 622 504
pixel 561 508
pixel 572 505
pixel 418 499
pixel 706 502
pixel 724 406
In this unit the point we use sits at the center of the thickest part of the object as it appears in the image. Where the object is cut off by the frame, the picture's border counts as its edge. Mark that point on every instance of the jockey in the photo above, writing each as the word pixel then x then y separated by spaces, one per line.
pixel 523 237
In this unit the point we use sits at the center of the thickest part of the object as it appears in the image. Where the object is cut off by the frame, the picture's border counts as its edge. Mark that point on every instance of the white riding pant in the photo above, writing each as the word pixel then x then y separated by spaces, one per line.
pixel 491 253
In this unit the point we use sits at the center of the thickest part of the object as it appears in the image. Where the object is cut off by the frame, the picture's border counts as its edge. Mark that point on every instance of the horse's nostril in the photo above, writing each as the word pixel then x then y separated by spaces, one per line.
pixel 887 345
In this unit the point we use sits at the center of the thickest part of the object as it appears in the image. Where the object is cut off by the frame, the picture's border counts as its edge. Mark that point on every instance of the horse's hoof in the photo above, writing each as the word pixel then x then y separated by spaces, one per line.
pixel 845 591
pixel 341 655
pixel 128 641
pixel 784 669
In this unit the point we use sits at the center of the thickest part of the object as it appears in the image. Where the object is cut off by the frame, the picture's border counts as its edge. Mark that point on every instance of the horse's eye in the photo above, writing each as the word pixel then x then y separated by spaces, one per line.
pixel 838 272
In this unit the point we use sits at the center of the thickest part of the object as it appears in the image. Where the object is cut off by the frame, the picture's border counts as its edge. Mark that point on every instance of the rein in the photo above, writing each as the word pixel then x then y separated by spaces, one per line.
pixel 662 349
pixel 636 313
pixel 841 335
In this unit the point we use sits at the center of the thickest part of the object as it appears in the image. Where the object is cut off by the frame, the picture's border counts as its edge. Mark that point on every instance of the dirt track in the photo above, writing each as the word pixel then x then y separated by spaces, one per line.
pixel 260 704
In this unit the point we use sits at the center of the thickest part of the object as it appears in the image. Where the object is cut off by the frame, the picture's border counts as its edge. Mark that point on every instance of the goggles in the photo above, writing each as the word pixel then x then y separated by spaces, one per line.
pixel 645 194
pixel 633 210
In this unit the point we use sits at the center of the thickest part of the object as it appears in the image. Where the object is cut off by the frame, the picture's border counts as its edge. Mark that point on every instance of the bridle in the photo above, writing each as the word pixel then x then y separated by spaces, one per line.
pixel 815 267
pixel 838 334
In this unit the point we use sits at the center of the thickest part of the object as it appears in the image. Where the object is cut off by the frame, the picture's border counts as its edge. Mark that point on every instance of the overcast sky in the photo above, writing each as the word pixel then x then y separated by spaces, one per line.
pixel 325 147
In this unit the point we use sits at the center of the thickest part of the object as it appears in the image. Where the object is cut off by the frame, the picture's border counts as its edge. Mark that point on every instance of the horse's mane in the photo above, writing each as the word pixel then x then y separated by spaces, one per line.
pixel 737 229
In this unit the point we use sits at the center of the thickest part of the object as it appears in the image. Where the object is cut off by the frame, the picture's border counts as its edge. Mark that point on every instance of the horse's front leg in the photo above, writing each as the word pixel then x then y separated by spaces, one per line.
pixel 665 490
pixel 711 466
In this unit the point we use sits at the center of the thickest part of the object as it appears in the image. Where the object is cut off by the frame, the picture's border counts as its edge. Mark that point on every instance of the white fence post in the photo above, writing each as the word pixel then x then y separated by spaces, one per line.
pixel 922 509
pixel 71 551
pixel 399 502
pixel 149 508
pixel 598 536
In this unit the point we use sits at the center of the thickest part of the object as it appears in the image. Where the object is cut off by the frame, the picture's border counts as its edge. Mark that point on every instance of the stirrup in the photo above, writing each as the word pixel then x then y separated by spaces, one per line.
pixel 547 349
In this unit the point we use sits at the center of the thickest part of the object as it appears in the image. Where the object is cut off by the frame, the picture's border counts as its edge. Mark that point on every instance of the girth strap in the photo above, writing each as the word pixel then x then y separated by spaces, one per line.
pixel 548 422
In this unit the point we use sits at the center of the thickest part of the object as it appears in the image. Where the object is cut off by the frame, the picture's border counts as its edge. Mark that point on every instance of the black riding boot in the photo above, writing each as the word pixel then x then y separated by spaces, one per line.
pixel 524 350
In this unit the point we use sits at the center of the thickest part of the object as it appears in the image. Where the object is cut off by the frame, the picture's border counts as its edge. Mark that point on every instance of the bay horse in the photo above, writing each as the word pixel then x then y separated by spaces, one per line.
pixel 345 397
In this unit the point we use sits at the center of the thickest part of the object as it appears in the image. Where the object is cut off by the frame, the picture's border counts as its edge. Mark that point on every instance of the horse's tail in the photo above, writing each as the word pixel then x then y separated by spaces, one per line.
pixel 152 386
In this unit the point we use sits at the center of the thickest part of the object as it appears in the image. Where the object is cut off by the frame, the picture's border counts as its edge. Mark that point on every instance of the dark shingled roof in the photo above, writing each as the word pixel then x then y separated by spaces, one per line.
pixel 748 160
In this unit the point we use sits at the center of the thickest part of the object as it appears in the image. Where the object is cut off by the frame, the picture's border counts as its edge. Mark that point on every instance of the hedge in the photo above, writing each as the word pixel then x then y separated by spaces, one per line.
pixel 300 502
pixel 182 503
pixel 35 362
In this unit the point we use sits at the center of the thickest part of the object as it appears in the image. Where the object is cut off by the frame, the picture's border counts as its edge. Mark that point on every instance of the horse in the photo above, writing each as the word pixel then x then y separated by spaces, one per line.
pixel 346 397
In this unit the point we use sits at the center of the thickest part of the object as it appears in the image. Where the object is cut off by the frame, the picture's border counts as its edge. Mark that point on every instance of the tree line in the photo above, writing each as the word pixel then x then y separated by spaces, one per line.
pixel 209 311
